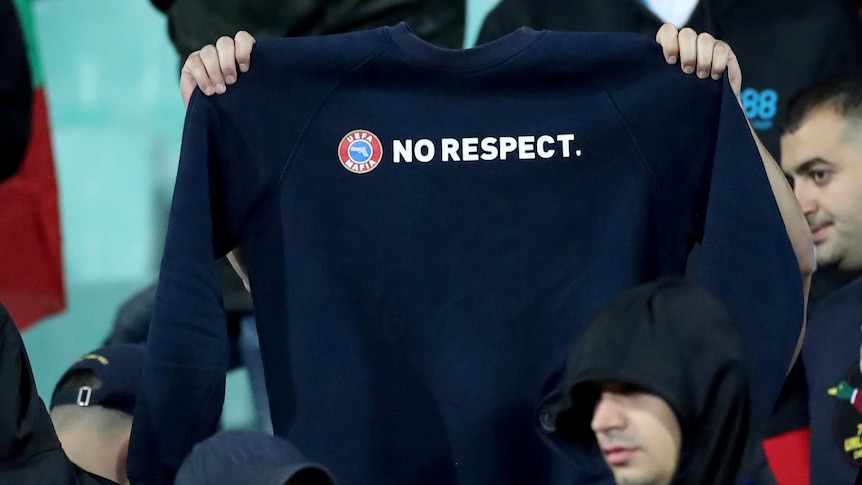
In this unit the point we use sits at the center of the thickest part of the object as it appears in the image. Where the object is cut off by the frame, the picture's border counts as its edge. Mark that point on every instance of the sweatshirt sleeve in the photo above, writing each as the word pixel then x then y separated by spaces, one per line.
pixel 187 350
pixel 748 260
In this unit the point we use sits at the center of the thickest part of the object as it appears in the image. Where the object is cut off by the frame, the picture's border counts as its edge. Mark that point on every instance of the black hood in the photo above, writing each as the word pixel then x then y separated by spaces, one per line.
pixel 674 340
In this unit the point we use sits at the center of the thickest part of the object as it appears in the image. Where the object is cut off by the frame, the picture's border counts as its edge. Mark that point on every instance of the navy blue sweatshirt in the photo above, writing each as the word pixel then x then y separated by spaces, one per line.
pixel 427 230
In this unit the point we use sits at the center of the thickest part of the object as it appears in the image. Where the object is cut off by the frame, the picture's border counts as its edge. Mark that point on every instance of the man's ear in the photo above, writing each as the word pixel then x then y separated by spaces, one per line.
pixel 235 259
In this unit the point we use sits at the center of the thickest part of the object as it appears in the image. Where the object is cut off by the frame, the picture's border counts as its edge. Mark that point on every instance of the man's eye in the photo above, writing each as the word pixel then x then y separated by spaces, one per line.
pixel 821 177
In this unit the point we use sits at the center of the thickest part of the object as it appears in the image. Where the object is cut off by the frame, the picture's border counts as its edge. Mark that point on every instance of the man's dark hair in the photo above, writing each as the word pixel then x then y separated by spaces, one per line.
pixel 841 94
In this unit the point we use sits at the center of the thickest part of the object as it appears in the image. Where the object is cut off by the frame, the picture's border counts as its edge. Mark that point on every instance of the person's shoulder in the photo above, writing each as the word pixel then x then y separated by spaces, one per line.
pixel 604 45
pixel 846 301
pixel 814 11
pixel 833 323
pixel 619 60
pixel 320 49
pixel 51 467
pixel 509 14
pixel 298 63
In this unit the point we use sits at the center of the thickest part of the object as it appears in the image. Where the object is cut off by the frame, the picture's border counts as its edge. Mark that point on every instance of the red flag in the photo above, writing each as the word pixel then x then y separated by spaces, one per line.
pixel 31 267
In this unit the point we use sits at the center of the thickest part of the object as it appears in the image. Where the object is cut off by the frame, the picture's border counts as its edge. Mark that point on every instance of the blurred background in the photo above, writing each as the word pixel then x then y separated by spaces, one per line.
pixel 111 80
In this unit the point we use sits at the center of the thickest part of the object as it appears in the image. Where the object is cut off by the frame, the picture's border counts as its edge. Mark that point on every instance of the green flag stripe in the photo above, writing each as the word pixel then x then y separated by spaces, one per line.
pixel 25 14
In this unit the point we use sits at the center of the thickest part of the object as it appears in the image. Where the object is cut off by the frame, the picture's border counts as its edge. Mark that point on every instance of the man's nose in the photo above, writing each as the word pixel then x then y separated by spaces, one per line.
pixel 608 415
pixel 805 194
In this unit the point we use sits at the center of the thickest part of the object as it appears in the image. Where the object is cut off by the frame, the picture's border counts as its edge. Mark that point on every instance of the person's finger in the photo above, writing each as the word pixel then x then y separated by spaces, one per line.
pixel 667 38
pixel 734 71
pixel 687 50
pixel 243 43
pixel 705 48
pixel 209 57
pixel 195 74
pixel 187 87
pixel 719 59
pixel 226 59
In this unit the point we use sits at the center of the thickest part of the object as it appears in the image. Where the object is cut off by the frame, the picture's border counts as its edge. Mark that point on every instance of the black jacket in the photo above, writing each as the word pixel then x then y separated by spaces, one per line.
pixel 782 45
pixel 30 453
pixel 16 93
pixel 195 23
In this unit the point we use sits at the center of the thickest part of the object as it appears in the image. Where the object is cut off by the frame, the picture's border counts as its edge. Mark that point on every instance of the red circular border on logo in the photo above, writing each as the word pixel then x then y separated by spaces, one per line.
pixel 356 166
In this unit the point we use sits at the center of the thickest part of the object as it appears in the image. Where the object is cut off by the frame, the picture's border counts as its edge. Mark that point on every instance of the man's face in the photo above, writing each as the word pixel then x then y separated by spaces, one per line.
pixel 823 160
pixel 638 434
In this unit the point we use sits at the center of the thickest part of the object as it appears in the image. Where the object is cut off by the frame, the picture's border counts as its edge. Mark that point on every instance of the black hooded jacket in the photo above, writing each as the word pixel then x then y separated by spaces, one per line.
pixel 676 341
pixel 194 23
pixel 16 93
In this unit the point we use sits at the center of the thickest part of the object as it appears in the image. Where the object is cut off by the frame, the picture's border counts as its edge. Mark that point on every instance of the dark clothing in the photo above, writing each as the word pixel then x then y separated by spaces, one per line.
pixel 243 457
pixel 831 354
pixel 410 304
pixel 791 409
pixel 132 321
pixel 16 92
pixel 30 453
pixel 826 280
pixel 195 23
pixel 783 45
pixel 674 340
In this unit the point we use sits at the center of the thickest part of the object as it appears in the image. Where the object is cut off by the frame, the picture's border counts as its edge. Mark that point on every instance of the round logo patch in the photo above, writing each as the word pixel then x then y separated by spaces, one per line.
pixel 360 151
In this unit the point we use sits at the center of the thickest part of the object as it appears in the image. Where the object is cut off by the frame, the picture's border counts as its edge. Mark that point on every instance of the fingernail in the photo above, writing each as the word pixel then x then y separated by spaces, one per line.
pixel 208 91
pixel 220 88
pixel 688 69
pixel 702 74
pixel 716 76
pixel 671 59
pixel 243 67
pixel 229 79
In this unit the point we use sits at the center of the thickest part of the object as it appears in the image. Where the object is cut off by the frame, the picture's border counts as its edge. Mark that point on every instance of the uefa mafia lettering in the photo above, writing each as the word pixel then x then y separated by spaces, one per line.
pixel 488 149
pixel 360 151
pixel 760 107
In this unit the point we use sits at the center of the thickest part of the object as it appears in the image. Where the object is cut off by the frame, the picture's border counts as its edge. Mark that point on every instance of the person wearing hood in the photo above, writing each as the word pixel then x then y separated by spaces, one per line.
pixel 657 387
pixel 785 46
